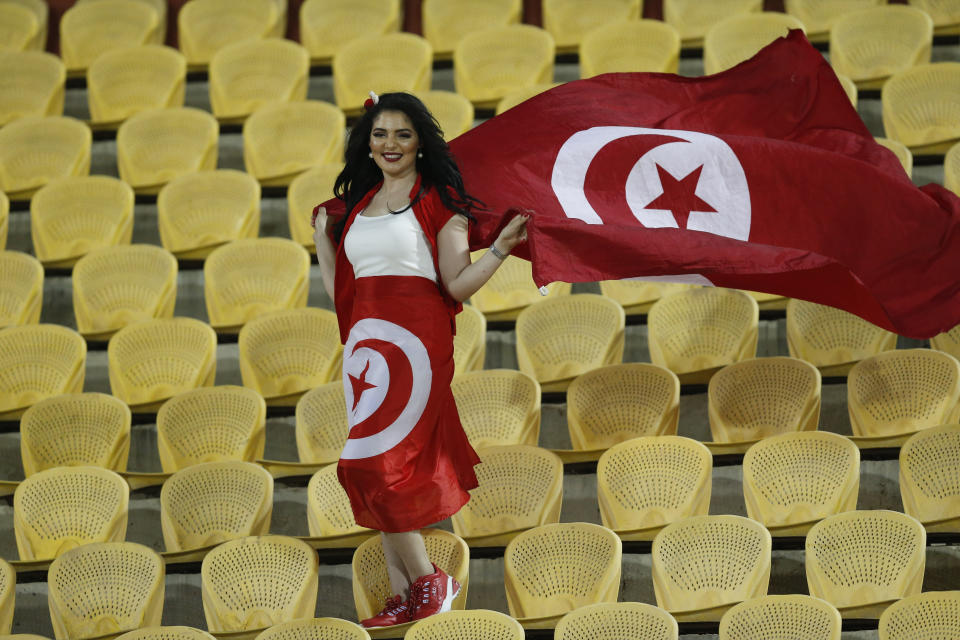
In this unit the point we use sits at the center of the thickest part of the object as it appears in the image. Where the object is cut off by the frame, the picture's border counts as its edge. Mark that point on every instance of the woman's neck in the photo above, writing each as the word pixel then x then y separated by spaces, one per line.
pixel 399 185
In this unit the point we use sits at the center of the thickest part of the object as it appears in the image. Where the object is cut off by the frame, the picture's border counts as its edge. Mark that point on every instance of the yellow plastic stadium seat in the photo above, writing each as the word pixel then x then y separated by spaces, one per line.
pixel 391 62
pixel 62 508
pixel 153 360
pixel 327 25
pixel 321 424
pixel 18 27
pixel 247 278
pixel 160 6
pixel 930 477
pixel 951 169
pixel 622 401
pixel 105 587
pixel 21 289
pixel 371 585
pixel 569 21
pixel 166 633
pixel 70 217
pixel 693 18
pixel 635 45
pixel 454 112
pixel 315 629
pixel 762 397
pixel 470 340
pixel 211 502
pixel 211 424
pixel 41 12
pixel 197 212
pixel 31 84
pixel 926 616
pixel 446 22
pixel 697 331
pixel 206 26
pixel 285 353
pixel 561 338
pixel 38 361
pixel 797 617
pixel 490 63
pixel 281 140
pixel 903 391
pixel 117 286
pixel 615 620
pixel 8 595
pixel 862 561
pixel 792 480
pixel 248 74
pixel 89 29
pixel 945 14
pixel 637 296
pixel 328 507
pixel 511 100
pixel 819 16
pixel 901 151
pixel 906 34
pixel 156 146
pixel 850 87
pixel 705 564
pixel 123 82
pixel 553 569
pixel 521 487
pixel 498 407
pixel 475 624
pixel 307 190
pixel 76 429
pixel 510 289
pixel 4 219
pixel 739 37
pixel 919 108
pixel 646 483
pixel 35 150
pixel 948 342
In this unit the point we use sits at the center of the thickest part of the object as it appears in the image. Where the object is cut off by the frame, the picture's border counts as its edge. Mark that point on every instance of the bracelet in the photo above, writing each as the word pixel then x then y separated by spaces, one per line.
pixel 496 252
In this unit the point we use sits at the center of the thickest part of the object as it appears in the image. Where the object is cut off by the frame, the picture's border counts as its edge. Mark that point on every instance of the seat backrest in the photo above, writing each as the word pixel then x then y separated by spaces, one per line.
pixel 498 406
pixel 693 19
pixel 924 616
pixel 906 33
pixel 125 81
pixel 739 37
pixel 917 107
pixel 400 61
pixel 38 88
pixel 328 506
pixel 948 341
pixel 23 383
pixel 446 22
pixel 321 423
pixel 797 617
pixel 307 190
pixel 511 287
pixel 249 73
pixel 89 29
pixel 825 336
pixel 475 623
pixel 613 620
pixel 164 633
pixel 18 26
pixel 327 25
pixel 8 594
pixel 315 629
pixel 21 288
pixel 470 340
pixel 930 475
pixel 819 15
pixel 282 139
pixel 490 63
pixel 37 149
pixel 206 26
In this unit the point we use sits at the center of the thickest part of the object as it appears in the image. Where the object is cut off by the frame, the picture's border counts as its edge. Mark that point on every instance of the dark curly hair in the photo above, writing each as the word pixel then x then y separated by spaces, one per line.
pixel 437 167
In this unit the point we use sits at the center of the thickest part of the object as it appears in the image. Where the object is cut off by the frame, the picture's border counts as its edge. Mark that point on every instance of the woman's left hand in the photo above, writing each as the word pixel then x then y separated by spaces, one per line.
pixel 513 234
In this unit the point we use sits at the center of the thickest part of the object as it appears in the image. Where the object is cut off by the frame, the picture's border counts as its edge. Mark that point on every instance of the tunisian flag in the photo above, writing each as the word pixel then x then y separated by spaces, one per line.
pixel 762 177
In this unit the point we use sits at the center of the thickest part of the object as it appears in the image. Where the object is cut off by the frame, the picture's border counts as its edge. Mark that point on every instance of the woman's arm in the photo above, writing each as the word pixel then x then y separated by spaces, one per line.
pixel 460 277
pixel 326 254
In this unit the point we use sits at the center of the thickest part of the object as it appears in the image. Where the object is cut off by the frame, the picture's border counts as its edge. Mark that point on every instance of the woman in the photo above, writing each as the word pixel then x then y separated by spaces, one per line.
pixel 397 266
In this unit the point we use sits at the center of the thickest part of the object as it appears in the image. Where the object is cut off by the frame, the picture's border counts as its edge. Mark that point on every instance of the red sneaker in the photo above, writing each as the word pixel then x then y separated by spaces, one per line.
pixel 396 611
pixel 432 594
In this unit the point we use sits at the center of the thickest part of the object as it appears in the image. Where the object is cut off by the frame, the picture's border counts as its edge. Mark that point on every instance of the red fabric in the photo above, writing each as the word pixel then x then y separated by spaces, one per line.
pixel 788 194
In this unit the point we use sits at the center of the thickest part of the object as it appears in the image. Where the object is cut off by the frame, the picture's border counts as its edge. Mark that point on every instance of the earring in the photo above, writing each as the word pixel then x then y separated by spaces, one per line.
pixel 419 154
pixel 370 155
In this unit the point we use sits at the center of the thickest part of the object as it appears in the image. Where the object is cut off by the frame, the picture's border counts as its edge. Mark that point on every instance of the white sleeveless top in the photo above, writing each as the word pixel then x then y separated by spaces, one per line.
pixel 389 245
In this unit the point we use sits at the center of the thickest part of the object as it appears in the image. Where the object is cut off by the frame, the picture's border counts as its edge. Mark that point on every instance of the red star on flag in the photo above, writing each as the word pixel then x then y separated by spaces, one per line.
pixel 679 196
pixel 360 385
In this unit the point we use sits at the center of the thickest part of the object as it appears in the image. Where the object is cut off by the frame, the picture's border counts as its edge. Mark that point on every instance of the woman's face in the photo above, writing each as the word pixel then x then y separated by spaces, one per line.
pixel 394 143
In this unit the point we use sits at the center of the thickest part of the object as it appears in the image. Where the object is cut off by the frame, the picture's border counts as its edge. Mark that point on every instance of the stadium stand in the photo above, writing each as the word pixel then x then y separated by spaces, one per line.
pixel 206 26
pixel 125 81
pixel 490 63
pixel 327 25
pixel 634 45
pixel 89 29
pixel 248 74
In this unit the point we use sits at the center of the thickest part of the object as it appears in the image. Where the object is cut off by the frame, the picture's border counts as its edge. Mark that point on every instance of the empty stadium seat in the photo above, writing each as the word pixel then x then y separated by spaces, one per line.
pixel 862 561
pixel 453 112
pixel 646 483
pixel 18 27
pixel 315 629
pixel 285 353
pixel 66 507
pixel 818 16
pixel 41 12
pixel 692 18
pixel 615 620
pixel 490 63
pixel 906 34
pixel 498 407
pixel 8 595
pixel 475 624
pixel 75 429
pixel 321 424
pixel 470 340
pixel 948 342
pixel 901 151
pixel 117 286
pixel 511 100
pixel 153 360
pixel 705 564
pixel 930 477
pixel 211 424
pixel 72 216
pixel 33 85
pixel 105 587
pixel 206 26
pixel 510 289
pixel 38 361
pixel 899 392
pixel 390 62
pixel 569 21
pixel 307 190
pixel 172 632
pixel 21 289
pixel 951 169
pixel 919 109
pixel 208 503
pixel 634 45
pixel 123 82
pixel 739 37
pixel 281 140
pixel 945 15
pixel 696 331
pixel 156 146
pixel 924 616
pixel 792 480
pixel 561 338
pixel 197 212
pixel 797 617
pixel 248 74
pixel 521 487
pixel 328 507
pixel 622 401
pixel 556 568
pixel 89 29
pixel 327 25
pixel 160 6
pixel 35 150
pixel 446 22
pixel 248 278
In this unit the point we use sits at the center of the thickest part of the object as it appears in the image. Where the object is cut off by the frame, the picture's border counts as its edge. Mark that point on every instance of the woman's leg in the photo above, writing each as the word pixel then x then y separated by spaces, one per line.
pixel 408 548
pixel 399 579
